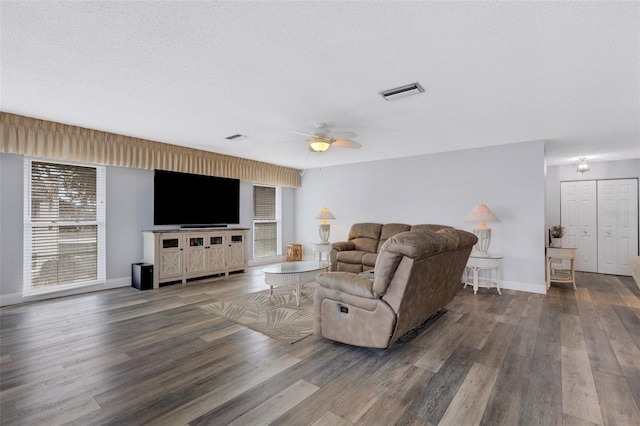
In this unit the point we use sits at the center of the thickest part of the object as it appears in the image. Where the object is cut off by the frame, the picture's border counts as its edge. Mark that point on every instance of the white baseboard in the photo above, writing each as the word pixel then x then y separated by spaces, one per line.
pixel 17 298
pixel 528 287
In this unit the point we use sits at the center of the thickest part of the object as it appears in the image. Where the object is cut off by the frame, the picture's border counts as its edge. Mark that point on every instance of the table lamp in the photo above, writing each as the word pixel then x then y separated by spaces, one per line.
pixel 481 214
pixel 325 228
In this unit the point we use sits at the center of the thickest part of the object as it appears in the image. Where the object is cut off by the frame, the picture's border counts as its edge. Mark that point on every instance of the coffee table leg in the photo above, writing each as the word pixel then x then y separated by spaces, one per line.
pixel 270 291
pixel 298 292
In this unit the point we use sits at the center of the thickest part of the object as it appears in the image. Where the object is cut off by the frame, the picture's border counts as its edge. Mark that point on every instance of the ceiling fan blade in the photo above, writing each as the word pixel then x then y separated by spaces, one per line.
pixel 339 134
pixel 346 143
pixel 309 135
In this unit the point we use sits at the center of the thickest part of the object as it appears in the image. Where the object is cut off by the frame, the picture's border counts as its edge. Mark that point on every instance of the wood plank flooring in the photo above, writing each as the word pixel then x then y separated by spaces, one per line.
pixel 125 357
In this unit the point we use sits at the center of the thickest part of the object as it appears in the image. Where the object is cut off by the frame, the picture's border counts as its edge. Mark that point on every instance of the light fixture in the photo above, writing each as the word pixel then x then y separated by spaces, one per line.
pixel 481 214
pixel 325 228
pixel 583 165
pixel 318 144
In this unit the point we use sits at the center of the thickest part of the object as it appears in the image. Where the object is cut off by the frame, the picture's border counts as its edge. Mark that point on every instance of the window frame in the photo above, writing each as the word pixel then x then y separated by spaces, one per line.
pixel 29 225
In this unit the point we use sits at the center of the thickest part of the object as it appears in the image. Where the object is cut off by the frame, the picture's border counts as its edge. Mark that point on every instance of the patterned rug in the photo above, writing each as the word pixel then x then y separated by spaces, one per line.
pixel 276 317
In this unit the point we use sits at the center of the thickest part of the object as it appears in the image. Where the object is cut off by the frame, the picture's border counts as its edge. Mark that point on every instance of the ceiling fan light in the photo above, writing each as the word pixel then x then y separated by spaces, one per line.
pixel 319 145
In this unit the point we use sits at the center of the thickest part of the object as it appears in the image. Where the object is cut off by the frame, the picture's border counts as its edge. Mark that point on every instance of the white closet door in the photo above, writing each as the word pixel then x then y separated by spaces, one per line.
pixel 617 225
pixel 578 217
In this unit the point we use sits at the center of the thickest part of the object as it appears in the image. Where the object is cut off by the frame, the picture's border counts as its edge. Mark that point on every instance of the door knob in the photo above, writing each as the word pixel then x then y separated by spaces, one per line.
pixel 585 231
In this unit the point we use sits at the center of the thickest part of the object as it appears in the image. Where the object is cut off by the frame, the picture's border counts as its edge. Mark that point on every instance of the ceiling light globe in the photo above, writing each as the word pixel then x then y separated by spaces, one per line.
pixel 319 146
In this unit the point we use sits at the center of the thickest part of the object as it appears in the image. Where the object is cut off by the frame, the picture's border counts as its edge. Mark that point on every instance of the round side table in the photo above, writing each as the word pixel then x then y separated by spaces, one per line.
pixel 322 249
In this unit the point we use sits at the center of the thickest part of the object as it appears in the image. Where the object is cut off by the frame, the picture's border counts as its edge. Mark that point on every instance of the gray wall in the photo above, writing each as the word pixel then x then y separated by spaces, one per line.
pixel 440 188
pixel 11 224
pixel 129 211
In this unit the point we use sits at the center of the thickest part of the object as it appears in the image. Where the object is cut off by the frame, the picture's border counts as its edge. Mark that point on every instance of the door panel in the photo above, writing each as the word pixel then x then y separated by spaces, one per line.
pixel 617 225
pixel 578 217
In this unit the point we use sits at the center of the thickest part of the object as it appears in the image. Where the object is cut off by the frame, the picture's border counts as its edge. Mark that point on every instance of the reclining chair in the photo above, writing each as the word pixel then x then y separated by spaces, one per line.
pixel 416 274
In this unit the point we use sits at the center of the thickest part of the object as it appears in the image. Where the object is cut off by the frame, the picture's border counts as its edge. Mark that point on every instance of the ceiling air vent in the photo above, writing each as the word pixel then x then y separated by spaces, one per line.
pixel 402 91
pixel 235 137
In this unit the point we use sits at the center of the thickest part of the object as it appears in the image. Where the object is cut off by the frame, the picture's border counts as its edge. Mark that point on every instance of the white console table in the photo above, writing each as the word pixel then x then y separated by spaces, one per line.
pixel 491 279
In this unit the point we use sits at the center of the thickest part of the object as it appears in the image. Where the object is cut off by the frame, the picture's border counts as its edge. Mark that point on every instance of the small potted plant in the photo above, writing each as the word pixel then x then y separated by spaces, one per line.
pixel 555 235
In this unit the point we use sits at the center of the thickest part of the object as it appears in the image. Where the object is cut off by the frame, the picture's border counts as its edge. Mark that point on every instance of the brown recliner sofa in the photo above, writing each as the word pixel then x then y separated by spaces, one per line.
pixel 360 252
pixel 416 274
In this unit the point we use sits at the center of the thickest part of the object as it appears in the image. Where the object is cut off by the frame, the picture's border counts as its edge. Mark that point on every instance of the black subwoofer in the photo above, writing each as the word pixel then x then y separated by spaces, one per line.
pixel 142 276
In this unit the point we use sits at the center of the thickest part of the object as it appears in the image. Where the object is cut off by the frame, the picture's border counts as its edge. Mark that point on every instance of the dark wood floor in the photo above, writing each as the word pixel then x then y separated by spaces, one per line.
pixel 125 357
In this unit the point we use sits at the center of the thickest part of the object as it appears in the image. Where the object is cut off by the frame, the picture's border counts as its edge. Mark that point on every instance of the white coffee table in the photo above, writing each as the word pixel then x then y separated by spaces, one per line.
pixel 293 274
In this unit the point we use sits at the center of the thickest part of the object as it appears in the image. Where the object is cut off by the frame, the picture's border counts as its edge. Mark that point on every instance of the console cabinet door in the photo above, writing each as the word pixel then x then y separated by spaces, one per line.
pixel 196 254
pixel 237 249
pixel 170 256
pixel 216 252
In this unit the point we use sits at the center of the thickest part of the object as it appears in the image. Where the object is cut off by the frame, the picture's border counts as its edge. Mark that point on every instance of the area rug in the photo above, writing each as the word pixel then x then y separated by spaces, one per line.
pixel 276 316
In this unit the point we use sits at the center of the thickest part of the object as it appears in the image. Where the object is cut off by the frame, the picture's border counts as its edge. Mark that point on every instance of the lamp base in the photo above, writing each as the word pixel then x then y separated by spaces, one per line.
pixel 324 230
pixel 481 249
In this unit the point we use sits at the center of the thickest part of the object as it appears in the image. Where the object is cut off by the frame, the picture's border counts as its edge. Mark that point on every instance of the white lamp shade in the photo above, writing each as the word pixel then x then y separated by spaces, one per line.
pixel 481 213
pixel 325 214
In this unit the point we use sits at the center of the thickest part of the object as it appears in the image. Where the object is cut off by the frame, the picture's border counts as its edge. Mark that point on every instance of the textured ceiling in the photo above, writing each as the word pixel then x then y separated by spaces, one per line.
pixel 192 73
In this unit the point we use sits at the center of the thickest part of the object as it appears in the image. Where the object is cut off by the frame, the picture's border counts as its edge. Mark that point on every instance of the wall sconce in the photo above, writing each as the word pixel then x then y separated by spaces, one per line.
pixel 481 214
pixel 583 165
pixel 325 228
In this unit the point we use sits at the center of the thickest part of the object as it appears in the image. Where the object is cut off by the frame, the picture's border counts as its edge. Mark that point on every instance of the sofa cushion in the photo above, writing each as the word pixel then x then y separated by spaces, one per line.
pixel 413 245
pixel 369 259
pixel 347 282
pixel 365 236
pixel 429 227
pixel 389 230
pixel 350 256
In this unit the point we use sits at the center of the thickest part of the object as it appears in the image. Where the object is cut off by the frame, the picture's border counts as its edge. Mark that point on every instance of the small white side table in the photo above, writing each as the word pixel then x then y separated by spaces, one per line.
pixel 472 272
pixel 560 275
pixel 322 249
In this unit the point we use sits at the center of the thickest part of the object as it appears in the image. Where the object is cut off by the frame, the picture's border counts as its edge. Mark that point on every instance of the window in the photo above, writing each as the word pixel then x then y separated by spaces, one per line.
pixel 266 221
pixel 64 226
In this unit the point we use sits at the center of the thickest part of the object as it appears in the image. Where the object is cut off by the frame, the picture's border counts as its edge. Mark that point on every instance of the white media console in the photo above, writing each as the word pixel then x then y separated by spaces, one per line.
pixel 180 255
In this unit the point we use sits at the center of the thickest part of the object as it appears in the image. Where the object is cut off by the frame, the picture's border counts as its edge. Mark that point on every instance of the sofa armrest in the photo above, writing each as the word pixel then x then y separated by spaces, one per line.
pixel 347 282
pixel 343 245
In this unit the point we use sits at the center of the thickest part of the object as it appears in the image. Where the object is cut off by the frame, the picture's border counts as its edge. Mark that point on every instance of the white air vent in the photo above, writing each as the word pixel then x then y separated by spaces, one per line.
pixel 236 137
pixel 402 91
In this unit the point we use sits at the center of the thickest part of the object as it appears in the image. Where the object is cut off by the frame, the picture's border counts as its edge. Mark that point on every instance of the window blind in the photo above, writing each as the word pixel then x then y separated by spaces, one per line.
pixel 64 225
pixel 264 203
pixel 265 222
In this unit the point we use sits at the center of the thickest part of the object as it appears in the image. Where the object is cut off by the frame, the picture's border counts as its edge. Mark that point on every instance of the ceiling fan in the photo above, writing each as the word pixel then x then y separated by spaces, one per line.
pixel 321 138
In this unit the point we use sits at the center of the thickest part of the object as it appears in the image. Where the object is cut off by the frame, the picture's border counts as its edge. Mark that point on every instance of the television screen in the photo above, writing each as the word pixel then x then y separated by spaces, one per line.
pixel 188 199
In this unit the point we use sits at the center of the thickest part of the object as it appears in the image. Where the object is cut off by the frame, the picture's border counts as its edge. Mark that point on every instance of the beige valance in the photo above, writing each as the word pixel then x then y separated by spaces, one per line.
pixel 47 139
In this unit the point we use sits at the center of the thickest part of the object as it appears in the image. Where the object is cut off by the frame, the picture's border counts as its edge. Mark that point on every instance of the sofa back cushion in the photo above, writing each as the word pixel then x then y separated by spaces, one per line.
pixel 429 227
pixel 389 230
pixel 365 236
pixel 413 245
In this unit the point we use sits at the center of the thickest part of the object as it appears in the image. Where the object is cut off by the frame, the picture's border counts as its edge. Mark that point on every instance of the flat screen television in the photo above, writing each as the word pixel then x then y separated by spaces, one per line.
pixel 195 200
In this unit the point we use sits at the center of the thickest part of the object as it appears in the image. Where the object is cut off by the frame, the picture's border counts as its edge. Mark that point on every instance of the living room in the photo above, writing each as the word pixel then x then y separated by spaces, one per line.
pixel 423 165
pixel 429 175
